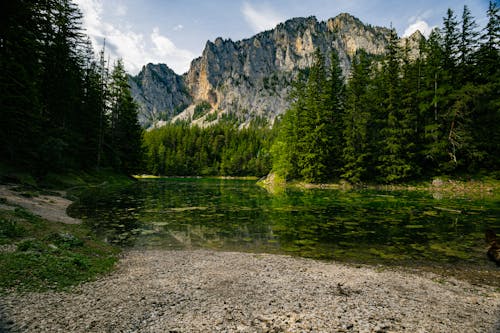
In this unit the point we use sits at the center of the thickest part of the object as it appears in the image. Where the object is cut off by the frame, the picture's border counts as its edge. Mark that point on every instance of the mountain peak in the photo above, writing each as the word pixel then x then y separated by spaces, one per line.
pixel 252 77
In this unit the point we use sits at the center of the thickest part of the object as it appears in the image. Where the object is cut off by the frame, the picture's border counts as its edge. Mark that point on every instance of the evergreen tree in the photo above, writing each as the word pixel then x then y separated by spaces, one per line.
pixel 432 111
pixel 468 45
pixel 394 162
pixel 126 133
pixel 357 119
pixel 334 117
pixel 20 105
pixel 487 99
pixel 488 53
pixel 285 148
pixel 451 43
pixel 313 130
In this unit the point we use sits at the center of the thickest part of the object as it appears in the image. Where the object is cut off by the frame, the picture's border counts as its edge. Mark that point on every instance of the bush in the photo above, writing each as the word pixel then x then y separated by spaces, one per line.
pixel 200 109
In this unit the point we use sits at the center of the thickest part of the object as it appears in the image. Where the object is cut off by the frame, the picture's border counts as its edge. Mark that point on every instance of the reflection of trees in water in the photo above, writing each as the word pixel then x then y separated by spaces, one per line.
pixel 112 213
pixel 317 223
pixel 372 224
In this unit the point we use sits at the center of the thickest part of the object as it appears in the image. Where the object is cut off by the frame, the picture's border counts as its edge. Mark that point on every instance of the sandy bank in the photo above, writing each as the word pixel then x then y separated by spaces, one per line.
pixel 49 207
pixel 206 291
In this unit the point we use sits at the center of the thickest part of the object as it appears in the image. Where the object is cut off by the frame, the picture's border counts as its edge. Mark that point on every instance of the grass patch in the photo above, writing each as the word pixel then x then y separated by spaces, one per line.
pixel 49 255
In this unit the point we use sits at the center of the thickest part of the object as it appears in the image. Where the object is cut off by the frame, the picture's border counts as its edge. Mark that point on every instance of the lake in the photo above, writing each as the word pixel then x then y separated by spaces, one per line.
pixel 364 226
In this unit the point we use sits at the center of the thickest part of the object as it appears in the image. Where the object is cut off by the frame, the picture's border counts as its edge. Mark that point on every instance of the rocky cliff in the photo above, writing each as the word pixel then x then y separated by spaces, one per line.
pixel 160 93
pixel 251 78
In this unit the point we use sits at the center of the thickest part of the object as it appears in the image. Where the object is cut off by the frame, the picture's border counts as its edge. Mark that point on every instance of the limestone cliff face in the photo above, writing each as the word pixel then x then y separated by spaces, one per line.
pixel 160 93
pixel 252 77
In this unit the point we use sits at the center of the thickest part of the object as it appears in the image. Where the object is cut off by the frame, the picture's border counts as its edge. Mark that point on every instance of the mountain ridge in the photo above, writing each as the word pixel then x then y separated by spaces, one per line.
pixel 251 77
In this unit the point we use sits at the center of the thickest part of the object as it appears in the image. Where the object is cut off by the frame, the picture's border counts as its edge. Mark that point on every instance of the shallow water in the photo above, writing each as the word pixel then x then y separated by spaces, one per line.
pixel 363 226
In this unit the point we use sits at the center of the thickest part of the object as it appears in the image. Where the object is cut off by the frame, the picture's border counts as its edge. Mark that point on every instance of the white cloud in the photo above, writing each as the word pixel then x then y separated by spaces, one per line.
pixel 164 48
pixel 263 18
pixel 178 27
pixel 420 25
pixel 134 48
pixel 121 10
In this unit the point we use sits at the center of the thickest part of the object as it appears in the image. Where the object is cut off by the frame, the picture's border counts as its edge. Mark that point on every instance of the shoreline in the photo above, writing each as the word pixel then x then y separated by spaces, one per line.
pixel 48 206
pixel 201 290
pixel 206 290
pixel 437 186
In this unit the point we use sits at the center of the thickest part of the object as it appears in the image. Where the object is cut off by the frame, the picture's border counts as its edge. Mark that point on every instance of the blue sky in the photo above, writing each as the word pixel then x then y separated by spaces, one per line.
pixel 175 31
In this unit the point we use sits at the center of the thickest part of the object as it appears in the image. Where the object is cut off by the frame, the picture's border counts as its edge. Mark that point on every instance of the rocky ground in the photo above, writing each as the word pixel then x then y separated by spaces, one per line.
pixel 50 207
pixel 206 291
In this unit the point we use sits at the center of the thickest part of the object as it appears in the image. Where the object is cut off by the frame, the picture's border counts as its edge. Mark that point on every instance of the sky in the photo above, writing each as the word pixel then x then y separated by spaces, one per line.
pixel 174 32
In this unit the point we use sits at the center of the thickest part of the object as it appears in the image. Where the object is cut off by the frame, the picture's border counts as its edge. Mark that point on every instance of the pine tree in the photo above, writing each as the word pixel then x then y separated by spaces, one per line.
pixel 126 133
pixel 20 48
pixel 334 117
pixel 285 148
pixel 357 118
pixel 393 162
pixel 487 99
pixel 468 45
pixel 451 42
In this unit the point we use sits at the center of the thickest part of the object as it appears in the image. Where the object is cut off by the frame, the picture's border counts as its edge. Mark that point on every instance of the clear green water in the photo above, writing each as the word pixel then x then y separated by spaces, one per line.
pixel 363 226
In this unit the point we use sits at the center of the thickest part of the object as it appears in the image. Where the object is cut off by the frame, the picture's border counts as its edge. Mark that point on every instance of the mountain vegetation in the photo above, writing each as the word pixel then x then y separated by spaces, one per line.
pixel 180 149
pixel 399 119
pixel 361 103
pixel 61 107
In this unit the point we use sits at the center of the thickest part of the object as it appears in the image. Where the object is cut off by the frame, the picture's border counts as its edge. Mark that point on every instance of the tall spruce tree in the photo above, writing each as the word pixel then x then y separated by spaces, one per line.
pixel 393 163
pixel 126 133
pixel 334 117
pixel 487 100
pixel 313 130
pixel 284 149
pixel 468 44
pixel 357 119
pixel 20 116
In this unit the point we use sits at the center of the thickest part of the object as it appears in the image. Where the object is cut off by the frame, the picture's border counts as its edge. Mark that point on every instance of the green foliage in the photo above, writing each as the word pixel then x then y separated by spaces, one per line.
pixel 47 254
pixel 357 117
pixel 402 117
pixel 211 117
pixel 58 102
pixel 308 144
pixel 125 131
pixel 218 150
pixel 200 109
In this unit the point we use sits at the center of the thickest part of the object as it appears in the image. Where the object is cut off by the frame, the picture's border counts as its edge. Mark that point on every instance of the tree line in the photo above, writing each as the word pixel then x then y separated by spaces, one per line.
pixel 61 106
pixel 399 118
pixel 180 149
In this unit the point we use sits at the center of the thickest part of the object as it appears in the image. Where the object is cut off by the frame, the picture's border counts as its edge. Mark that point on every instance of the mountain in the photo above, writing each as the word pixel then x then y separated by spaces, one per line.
pixel 251 78
pixel 160 93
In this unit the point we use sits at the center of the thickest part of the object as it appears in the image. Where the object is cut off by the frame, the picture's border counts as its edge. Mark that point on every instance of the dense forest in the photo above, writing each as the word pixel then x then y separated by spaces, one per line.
pixel 61 106
pixel 220 150
pixel 396 118
pixel 399 118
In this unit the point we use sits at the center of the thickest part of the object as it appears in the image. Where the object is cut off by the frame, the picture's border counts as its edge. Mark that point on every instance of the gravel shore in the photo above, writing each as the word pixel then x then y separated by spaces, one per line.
pixel 207 291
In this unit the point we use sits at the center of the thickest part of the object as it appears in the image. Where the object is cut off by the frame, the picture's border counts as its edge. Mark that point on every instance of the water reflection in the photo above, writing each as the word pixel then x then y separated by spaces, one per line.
pixel 238 215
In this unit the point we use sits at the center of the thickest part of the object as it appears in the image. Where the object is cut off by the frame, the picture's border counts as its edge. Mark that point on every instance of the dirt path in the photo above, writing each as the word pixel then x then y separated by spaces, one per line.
pixel 206 291
pixel 50 207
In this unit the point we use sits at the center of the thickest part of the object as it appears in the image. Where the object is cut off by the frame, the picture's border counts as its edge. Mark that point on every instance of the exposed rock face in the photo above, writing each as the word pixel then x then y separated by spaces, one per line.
pixel 412 44
pixel 252 77
pixel 160 93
